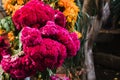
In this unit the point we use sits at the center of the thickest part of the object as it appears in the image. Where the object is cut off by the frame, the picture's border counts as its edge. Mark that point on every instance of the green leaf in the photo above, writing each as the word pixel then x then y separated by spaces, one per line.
pixel 50 72
pixel 6 27
pixel 3 21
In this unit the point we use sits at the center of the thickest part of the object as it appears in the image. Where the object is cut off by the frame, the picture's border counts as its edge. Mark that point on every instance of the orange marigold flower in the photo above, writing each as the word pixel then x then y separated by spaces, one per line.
pixel 11 36
pixel 12 5
pixel 63 3
pixel 2 31
pixel 20 2
pixel 79 34
pixel 16 8
pixel 71 12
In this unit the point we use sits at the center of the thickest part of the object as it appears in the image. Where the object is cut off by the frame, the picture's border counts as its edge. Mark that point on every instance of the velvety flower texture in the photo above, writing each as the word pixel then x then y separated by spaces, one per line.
pixel 48 54
pixel 19 67
pixel 57 33
pixel 60 18
pixel 54 77
pixel 33 14
pixel 30 36
pixel 75 39
pixel 3 47
pixel 44 48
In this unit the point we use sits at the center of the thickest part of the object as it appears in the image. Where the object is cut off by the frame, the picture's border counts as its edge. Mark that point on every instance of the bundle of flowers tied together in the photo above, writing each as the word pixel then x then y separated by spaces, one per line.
pixel 46 42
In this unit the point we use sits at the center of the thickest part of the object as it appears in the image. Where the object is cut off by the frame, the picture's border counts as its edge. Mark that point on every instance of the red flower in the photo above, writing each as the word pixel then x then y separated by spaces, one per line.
pixel 76 40
pixel 49 54
pixel 30 36
pixel 19 67
pixel 57 33
pixel 3 47
pixel 55 77
pixel 33 14
pixel 60 18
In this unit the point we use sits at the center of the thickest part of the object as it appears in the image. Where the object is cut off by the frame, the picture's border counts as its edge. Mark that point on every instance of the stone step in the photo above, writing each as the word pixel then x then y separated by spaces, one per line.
pixel 108 41
pixel 108 61
pixel 108 36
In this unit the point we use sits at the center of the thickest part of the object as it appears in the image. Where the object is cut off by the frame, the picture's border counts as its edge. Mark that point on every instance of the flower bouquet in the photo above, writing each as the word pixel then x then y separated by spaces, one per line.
pixel 37 37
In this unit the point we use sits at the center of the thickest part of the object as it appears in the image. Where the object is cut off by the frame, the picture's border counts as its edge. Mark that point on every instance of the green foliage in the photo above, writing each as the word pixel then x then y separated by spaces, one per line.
pixel 7 24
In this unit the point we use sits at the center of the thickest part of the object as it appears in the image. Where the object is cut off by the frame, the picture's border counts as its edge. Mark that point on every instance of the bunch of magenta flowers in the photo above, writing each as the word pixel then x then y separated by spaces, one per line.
pixel 39 40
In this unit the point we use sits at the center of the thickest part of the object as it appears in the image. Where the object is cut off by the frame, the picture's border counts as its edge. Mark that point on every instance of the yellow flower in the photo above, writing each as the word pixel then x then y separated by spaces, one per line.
pixel 11 36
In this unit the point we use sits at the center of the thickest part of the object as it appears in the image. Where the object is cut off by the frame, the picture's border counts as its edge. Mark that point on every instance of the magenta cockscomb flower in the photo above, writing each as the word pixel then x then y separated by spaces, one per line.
pixel 76 40
pixel 55 53
pixel 57 33
pixel 4 45
pixel 33 14
pixel 60 18
pixel 29 65
pixel 44 48
pixel 30 36
pixel 9 63
pixel 49 54
pixel 55 77
pixel 19 67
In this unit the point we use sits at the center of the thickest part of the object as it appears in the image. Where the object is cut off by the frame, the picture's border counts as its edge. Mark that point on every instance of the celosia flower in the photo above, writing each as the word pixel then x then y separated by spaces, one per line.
pixel 76 40
pixel 49 54
pixel 54 53
pixel 29 65
pixel 30 36
pixel 32 13
pixel 19 67
pixel 55 77
pixel 3 43
pixel 60 18
pixel 51 30
pixel 3 47
pixel 3 52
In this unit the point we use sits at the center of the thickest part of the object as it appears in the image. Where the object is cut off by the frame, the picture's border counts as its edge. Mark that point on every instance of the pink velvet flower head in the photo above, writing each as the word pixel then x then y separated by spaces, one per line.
pixel 30 36
pixel 55 77
pixel 74 36
pixel 19 67
pixel 50 54
pixel 57 33
pixel 4 45
pixel 60 18
pixel 33 14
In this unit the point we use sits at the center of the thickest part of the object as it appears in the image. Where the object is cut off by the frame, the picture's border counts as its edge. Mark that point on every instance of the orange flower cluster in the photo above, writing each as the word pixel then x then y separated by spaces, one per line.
pixel 12 5
pixel 11 36
pixel 71 12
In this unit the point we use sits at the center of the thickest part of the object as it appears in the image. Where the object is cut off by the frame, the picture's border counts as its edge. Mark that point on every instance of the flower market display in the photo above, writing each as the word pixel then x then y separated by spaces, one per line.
pixel 37 35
